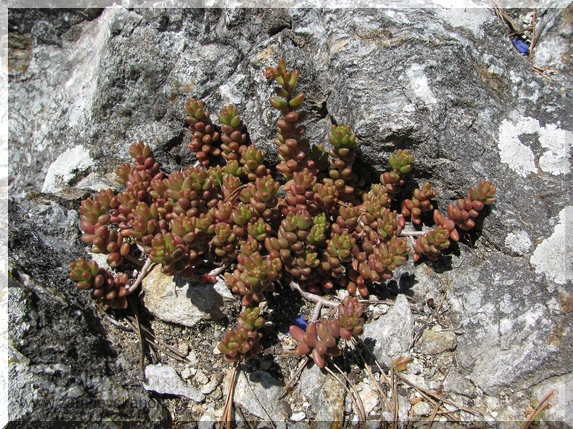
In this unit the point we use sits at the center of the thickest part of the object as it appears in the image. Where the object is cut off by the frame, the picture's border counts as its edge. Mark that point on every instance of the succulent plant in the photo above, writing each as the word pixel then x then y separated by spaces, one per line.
pixel 204 137
pixel 420 203
pixel 292 147
pixel 432 243
pixel 402 163
pixel 240 344
pixel 233 140
pixel 107 290
pixel 320 338
pixel 325 231
pixel 466 210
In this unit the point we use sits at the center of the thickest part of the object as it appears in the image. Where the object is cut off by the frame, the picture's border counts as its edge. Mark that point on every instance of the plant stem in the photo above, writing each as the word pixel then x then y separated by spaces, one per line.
pixel 140 277
pixel 314 298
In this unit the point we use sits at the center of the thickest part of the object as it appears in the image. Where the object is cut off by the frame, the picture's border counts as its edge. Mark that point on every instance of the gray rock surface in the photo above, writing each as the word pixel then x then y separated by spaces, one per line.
pixel 446 84
pixel 391 335
pixel 62 364
pixel 258 393
pixel 324 393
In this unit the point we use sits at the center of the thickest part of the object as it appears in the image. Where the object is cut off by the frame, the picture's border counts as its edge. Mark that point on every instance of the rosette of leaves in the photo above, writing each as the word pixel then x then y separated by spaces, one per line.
pixel 467 209
pixel 253 275
pixel 261 195
pixel 432 243
pixel 291 235
pixel 349 317
pixel 139 175
pixel 401 163
pixel 107 290
pixel 347 219
pixel 145 223
pixel 342 157
pixel 225 242
pixel 233 140
pixel 326 197
pixel 188 192
pixel 421 202
pixel 259 229
pixel 97 229
pixel 204 136
pixel 319 340
pixel 252 162
pixel 384 259
pixel 299 190
pixel 170 251
pixel 339 251
pixel 297 244
pixel 240 344
pixel 143 158
pixel 292 147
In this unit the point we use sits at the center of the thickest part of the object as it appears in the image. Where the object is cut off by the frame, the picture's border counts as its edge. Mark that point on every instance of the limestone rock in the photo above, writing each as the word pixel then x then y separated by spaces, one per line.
pixel 164 380
pixel 180 302
pixel 258 393
pixel 324 393
pixel 391 335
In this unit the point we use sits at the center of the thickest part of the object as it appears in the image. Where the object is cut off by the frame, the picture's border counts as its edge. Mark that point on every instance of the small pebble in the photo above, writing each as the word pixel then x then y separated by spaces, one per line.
pixel 187 373
pixel 200 378
pixel 298 416
pixel 422 408
pixel 183 348
pixel 217 394
pixel 192 358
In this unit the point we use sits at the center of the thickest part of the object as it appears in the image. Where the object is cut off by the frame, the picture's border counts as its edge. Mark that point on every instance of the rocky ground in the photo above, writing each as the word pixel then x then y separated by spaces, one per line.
pixel 488 328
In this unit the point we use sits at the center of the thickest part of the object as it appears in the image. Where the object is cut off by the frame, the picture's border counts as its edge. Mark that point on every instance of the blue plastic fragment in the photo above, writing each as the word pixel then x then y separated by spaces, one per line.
pixel 300 322
pixel 521 46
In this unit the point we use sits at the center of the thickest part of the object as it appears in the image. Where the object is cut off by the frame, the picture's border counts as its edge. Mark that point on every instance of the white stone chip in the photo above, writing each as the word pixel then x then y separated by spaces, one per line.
pixel 65 167
pixel 164 380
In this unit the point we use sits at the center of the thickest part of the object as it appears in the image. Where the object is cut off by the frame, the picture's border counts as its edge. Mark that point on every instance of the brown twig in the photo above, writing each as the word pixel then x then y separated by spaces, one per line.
pixel 172 352
pixel 359 409
pixel 369 370
pixel 134 307
pixel 438 397
pixel 395 405
pixel 227 417
pixel 540 407
pixel 294 378
pixel 433 415
pixel 134 260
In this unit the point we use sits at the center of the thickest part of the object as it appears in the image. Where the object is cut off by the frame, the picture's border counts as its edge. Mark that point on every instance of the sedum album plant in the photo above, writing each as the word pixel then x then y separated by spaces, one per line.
pixel 224 216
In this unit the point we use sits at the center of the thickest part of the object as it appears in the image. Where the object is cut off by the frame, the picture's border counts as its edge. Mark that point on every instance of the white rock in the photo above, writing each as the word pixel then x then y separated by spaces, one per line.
pixel 173 300
pixel 65 167
pixel 393 333
pixel 258 393
pixel 297 417
pixel 164 380
pixel 422 408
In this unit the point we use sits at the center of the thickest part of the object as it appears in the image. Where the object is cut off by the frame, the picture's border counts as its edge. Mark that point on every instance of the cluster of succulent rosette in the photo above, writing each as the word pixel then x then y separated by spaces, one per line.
pixel 224 215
